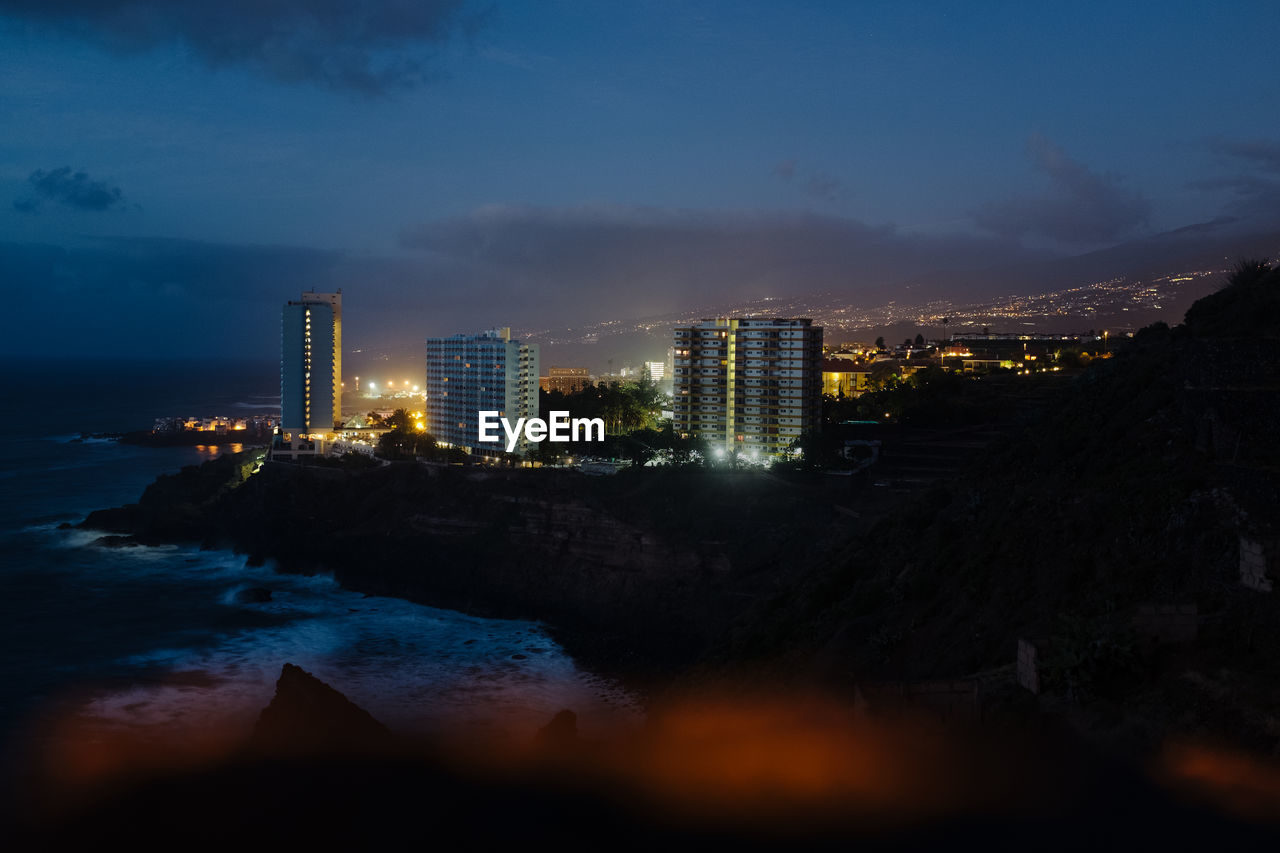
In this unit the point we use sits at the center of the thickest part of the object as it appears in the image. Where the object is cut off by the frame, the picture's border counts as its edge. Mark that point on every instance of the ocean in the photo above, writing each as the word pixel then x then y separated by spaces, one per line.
pixel 138 638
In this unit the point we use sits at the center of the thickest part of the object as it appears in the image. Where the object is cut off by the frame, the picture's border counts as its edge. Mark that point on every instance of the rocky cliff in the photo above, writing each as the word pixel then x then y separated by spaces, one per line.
pixel 638 571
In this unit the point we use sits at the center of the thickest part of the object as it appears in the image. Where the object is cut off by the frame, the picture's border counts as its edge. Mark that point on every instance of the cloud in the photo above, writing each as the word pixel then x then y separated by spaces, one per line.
pixel 564 265
pixel 1260 153
pixel 154 298
pixel 1252 199
pixel 73 189
pixel 812 182
pixel 1252 194
pixel 1083 208
pixel 364 46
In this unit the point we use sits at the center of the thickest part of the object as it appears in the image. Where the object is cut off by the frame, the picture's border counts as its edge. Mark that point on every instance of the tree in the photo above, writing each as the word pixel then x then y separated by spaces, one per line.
pixel 1249 305
pixel 400 420
pixel 919 340
pixel 880 342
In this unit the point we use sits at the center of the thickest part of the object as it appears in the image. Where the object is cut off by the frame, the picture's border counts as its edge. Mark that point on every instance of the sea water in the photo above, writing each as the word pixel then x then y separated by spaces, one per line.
pixel 156 636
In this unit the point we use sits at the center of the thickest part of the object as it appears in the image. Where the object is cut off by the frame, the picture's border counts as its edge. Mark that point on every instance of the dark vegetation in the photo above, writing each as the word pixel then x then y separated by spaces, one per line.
pixel 1134 488
pixel 623 406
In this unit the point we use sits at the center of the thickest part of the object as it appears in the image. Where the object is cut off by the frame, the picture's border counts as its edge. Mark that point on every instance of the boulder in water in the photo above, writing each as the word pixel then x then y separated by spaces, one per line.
pixel 561 733
pixel 253 595
pixel 308 716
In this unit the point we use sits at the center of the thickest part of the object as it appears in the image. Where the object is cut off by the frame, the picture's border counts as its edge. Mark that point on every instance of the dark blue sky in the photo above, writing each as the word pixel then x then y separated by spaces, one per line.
pixel 183 167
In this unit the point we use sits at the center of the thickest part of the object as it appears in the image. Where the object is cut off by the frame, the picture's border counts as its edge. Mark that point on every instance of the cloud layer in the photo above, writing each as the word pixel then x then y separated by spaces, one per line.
pixel 1254 187
pixel 1084 207
pixel 812 182
pixel 630 261
pixel 526 267
pixel 365 46
pixel 1261 153
pixel 71 189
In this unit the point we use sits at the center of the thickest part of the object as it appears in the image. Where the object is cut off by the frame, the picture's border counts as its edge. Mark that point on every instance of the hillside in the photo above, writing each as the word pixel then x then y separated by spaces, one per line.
pixel 1152 483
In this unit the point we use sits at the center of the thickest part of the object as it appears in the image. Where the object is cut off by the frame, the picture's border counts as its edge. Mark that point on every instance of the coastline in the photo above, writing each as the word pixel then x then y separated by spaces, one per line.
pixel 634 587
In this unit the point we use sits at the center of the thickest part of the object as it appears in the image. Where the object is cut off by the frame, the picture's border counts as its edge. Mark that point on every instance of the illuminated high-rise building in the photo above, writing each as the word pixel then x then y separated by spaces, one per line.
pixel 752 384
pixel 311 364
pixel 468 374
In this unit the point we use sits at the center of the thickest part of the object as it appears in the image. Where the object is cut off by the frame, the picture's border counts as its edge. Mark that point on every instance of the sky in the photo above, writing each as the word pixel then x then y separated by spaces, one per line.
pixel 172 171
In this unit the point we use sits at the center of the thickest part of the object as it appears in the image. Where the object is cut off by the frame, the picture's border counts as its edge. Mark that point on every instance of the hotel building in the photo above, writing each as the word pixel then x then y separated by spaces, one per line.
pixel 468 374
pixel 751 384
pixel 311 365
pixel 566 380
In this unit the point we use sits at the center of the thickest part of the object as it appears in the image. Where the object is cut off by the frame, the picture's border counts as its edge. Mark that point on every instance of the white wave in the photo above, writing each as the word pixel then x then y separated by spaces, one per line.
pixel 413 667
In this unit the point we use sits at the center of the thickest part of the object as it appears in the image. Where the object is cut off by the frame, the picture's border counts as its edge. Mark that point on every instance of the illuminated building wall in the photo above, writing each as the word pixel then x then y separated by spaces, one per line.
pixel 467 374
pixel 841 376
pixel 565 379
pixel 311 363
pixel 752 384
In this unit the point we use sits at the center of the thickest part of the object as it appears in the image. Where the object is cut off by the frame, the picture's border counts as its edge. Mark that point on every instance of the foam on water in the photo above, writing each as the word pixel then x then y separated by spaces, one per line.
pixel 156 635
pixel 416 668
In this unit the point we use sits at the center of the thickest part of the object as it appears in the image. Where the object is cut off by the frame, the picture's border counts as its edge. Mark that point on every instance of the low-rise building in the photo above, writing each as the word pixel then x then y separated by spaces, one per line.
pixel 843 377
pixel 566 380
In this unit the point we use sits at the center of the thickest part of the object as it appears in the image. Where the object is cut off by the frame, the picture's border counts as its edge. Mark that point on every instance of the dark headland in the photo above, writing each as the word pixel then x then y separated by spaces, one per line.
pixel 1107 540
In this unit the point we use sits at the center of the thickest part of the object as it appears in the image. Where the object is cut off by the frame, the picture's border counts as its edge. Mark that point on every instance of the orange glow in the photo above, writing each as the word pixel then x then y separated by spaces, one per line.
pixel 792 764
pixel 781 763
pixel 769 759
pixel 1232 781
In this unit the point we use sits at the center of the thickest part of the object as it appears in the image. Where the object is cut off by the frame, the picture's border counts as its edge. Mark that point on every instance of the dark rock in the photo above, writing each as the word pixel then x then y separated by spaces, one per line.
pixel 561 733
pixel 308 716
pixel 66 525
pixel 253 595
pixel 116 542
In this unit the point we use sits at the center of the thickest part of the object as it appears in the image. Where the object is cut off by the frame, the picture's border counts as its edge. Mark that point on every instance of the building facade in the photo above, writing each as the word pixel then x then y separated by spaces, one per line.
pixel 842 377
pixel 468 374
pixel 566 380
pixel 311 364
pixel 750 384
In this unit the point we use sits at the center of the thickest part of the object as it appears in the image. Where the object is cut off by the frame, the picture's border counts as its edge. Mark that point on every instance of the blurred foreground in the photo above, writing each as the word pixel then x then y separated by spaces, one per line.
pixel 750 769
